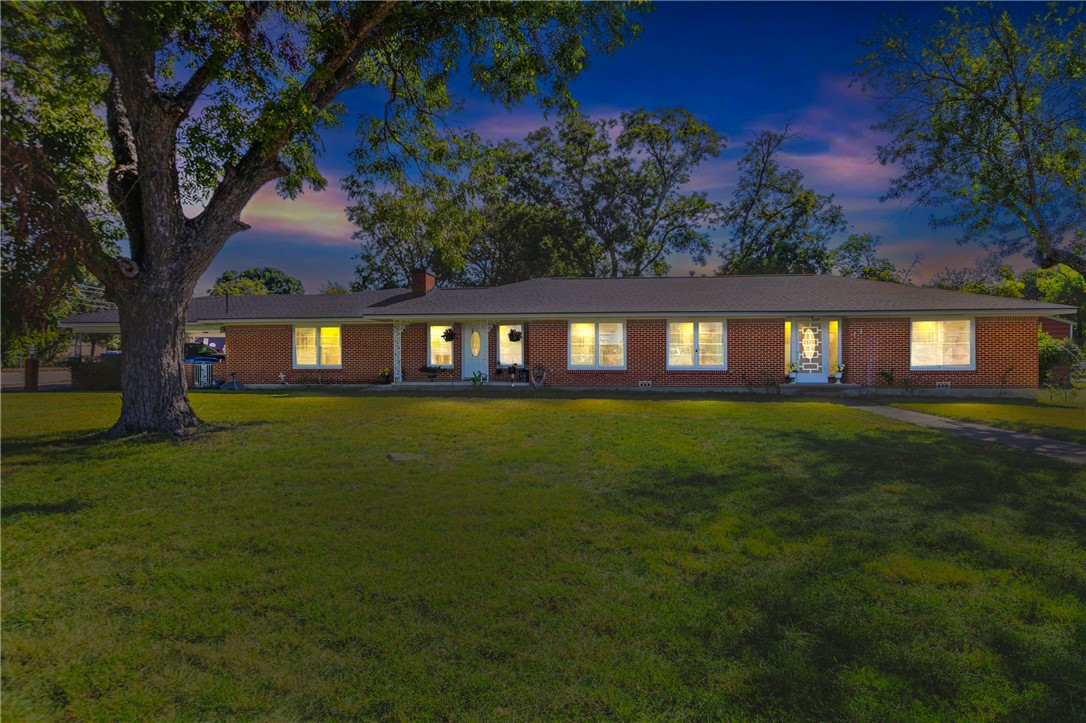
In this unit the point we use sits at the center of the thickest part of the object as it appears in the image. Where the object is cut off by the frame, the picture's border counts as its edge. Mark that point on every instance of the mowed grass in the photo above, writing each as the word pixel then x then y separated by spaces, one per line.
pixel 543 557
pixel 1055 420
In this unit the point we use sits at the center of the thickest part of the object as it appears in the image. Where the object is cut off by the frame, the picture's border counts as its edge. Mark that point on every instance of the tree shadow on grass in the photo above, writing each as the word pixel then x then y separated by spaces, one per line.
pixel 75 447
pixel 849 579
pixel 66 507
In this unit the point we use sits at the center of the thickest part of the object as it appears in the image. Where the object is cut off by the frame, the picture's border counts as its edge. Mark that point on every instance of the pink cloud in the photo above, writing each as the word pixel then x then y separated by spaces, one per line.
pixel 315 216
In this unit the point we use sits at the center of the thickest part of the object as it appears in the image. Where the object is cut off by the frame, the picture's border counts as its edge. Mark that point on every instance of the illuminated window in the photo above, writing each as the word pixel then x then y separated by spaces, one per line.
pixel 942 344
pixel 510 352
pixel 441 351
pixel 597 345
pixel 696 345
pixel 317 347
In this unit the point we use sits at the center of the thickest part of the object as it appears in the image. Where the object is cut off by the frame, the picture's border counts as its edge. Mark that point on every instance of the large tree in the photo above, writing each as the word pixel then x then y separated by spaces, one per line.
pixel 777 224
pixel 585 197
pixel 127 111
pixel 988 123
pixel 622 181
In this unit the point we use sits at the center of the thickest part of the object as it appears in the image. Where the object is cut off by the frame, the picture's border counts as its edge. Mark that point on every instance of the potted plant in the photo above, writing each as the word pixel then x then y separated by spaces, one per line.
pixel 449 334
pixel 793 370
pixel 430 371
pixel 838 372
pixel 515 334
pixel 385 376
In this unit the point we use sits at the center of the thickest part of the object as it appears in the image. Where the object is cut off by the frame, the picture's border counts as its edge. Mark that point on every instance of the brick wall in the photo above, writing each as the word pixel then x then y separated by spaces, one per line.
pixel 755 348
pixel 259 353
pixel 1006 353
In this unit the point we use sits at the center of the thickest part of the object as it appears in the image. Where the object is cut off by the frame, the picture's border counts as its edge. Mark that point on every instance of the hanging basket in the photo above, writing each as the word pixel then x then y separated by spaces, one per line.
pixel 515 335
pixel 448 335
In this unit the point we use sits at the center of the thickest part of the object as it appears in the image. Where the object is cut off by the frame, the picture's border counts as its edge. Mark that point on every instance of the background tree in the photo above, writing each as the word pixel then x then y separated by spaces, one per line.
pixel 1058 285
pixel 123 112
pixel 235 286
pixel 622 180
pixel 584 197
pixel 989 275
pixel 270 280
pixel 858 257
pixel 334 287
pixel 777 225
pixel 988 118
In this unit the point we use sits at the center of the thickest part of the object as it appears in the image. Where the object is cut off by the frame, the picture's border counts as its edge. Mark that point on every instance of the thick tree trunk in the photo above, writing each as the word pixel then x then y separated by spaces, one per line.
pixel 153 385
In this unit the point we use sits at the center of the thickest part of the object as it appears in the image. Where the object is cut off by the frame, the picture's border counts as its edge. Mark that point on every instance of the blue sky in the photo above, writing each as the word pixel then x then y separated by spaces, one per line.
pixel 740 66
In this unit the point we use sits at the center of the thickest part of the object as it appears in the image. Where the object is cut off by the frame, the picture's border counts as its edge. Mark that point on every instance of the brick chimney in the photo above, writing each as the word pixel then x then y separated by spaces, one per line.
pixel 422 281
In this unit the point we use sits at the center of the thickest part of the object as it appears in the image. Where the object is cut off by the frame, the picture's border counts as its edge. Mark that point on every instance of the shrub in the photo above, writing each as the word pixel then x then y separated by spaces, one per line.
pixel 97 375
pixel 1054 352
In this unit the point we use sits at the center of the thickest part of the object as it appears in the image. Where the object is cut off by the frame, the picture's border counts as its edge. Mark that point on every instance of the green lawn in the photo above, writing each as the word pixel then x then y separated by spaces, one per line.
pixel 543 557
pixel 1055 420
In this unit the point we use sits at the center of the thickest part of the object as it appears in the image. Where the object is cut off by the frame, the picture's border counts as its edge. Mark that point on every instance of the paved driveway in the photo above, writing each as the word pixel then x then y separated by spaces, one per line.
pixel 60 378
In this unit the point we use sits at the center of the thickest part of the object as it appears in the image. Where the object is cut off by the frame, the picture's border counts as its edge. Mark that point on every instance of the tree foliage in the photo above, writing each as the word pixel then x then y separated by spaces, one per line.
pixel 989 275
pixel 116 114
pixel 1058 285
pixel 858 257
pixel 777 225
pixel 621 181
pixel 988 117
pixel 267 279
pixel 334 287
pixel 583 197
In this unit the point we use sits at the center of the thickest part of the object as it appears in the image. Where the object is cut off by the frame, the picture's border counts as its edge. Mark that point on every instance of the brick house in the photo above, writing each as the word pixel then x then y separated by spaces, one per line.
pixel 697 332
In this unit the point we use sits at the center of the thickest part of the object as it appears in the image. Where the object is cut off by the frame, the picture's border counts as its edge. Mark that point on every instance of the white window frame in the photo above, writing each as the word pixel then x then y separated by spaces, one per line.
pixel 498 351
pixel 697 365
pixel 318 327
pixel 430 349
pixel 596 323
pixel 970 367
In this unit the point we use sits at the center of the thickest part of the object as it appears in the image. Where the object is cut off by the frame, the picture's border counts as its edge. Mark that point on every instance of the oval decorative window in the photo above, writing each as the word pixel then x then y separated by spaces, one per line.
pixel 809 342
pixel 476 343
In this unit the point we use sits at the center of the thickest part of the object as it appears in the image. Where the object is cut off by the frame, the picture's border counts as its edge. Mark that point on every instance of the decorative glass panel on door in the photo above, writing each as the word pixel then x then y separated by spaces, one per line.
pixel 476 343
pixel 810 347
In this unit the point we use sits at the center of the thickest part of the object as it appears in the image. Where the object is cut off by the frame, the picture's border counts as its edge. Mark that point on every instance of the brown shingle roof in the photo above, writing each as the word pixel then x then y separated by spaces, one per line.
pixel 272 306
pixel 744 295
pixel 664 296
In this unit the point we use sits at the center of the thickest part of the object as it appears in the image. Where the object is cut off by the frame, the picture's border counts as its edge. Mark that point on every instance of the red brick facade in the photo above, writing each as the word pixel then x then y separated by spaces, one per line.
pixel 1006 354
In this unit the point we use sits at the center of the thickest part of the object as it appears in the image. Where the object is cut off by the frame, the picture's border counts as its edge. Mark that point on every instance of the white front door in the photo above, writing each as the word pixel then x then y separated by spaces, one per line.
pixel 809 351
pixel 474 352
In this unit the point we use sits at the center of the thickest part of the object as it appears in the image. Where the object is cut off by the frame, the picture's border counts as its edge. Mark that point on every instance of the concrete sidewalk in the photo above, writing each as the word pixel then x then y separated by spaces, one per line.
pixel 1067 451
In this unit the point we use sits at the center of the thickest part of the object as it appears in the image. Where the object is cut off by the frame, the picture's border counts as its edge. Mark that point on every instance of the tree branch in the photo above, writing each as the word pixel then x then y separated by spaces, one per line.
pixel 186 98
pixel 261 162
pixel 28 167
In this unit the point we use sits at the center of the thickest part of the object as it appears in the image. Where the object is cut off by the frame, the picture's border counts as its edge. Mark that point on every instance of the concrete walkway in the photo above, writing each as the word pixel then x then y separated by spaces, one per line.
pixel 1067 451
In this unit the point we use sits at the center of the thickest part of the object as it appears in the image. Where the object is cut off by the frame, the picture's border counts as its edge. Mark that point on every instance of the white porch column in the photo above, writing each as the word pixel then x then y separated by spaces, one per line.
pixel 397 350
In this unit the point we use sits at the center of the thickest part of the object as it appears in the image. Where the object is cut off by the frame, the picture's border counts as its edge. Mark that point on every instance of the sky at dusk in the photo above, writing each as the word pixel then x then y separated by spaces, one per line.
pixel 742 67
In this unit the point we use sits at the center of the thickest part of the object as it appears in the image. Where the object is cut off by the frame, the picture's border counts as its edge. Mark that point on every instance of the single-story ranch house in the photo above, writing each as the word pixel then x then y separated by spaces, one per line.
pixel 709 332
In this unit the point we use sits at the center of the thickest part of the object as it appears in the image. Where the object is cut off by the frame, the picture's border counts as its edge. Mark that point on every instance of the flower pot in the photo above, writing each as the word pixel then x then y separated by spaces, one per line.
pixel 431 375
pixel 384 379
